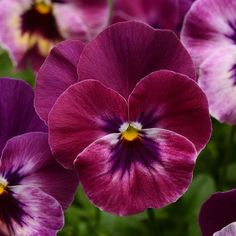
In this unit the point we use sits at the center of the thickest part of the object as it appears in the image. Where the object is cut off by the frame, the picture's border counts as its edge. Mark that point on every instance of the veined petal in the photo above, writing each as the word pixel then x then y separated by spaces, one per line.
pixel 56 74
pixel 83 113
pixel 209 26
pixel 217 212
pixel 43 214
pixel 17 114
pixel 82 19
pixel 229 230
pixel 217 78
pixel 118 56
pixel 126 178
pixel 172 101
pixel 27 160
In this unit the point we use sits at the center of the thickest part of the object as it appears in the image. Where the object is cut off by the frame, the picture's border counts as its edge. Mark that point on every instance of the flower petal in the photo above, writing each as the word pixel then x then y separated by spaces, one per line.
pixel 172 101
pixel 44 215
pixel 217 212
pixel 82 19
pixel 17 114
pixel 209 25
pixel 83 113
pixel 126 191
pixel 118 56
pixel 217 78
pixel 56 75
pixel 229 230
pixel 27 160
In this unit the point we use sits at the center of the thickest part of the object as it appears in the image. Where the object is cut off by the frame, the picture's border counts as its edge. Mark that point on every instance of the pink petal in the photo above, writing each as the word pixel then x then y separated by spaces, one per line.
pixel 130 189
pixel 82 19
pixel 56 75
pixel 83 113
pixel 126 52
pixel 172 101
pixel 208 26
pixel 217 78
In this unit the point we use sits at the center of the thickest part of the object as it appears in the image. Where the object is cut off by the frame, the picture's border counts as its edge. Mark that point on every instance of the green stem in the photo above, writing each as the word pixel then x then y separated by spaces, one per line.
pixel 226 160
pixel 152 222
pixel 97 217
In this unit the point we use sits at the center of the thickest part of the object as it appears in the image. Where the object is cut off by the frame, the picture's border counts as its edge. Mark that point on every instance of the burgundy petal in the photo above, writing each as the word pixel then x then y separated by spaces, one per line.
pixel 125 178
pixel 172 101
pixel 17 114
pixel 56 75
pixel 126 52
pixel 83 113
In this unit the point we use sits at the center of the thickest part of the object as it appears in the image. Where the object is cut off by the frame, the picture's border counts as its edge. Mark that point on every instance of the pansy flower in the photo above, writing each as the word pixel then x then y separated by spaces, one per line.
pixel 209 34
pixel 34 188
pixel 218 215
pixel 29 28
pixel 164 14
pixel 136 134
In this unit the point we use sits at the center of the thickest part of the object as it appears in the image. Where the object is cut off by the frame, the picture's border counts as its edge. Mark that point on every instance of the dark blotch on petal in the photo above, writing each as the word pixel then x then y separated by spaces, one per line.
pixel 112 124
pixel 126 153
pixel 59 1
pixel 233 70
pixel 43 24
pixel 13 176
pixel 11 210
pixel 233 27
pixel 148 119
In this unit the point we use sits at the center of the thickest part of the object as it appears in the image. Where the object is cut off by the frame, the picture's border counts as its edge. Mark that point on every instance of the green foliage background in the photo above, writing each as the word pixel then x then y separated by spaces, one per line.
pixel 214 171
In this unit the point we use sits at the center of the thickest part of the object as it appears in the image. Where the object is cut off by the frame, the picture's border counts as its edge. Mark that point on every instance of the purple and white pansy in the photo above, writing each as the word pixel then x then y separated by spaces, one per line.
pixel 131 125
pixel 34 188
pixel 30 28
pixel 209 34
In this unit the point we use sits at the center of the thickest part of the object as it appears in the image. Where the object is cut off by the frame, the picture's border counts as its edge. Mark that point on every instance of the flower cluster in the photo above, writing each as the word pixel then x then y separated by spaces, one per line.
pixel 34 188
pixel 122 101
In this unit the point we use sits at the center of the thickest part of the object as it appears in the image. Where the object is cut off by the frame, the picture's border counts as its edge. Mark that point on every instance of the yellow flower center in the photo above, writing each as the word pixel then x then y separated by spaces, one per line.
pixel 43 8
pixel 3 185
pixel 2 188
pixel 130 133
